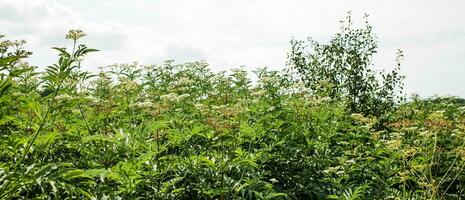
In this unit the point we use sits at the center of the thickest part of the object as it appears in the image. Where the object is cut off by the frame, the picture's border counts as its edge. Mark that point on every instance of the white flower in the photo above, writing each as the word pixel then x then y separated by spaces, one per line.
pixel 259 93
pixel 332 169
pixel 351 161
pixel 185 81
pixel 144 104
pixel 221 107
pixel 63 97
pixel 273 180
pixel 326 99
pixel 174 97
pixel 76 111
pixel 183 96
pixel 200 106
pixel 169 97
pixel 75 34
pixel 16 94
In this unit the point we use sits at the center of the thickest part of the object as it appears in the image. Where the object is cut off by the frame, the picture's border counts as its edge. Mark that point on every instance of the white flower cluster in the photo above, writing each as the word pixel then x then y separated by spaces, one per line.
pixel 259 93
pixel 239 73
pixel 298 87
pixel 337 170
pixel 220 107
pixel 75 34
pixel 351 161
pixel 63 97
pixel 17 94
pixel 129 85
pixel 76 111
pixel 174 97
pixel 169 97
pixel 183 89
pixel 200 106
pixel 185 81
pixel 325 99
pixel 92 99
pixel 144 104
pixel 268 79
pixel 219 77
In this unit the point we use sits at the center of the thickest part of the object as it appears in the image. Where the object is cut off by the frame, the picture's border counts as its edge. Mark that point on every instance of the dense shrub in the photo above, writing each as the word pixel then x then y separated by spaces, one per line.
pixel 180 131
pixel 344 66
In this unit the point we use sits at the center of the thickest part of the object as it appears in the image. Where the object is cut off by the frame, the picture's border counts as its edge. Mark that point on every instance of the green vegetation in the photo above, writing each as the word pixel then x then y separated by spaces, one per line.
pixel 327 127
pixel 344 65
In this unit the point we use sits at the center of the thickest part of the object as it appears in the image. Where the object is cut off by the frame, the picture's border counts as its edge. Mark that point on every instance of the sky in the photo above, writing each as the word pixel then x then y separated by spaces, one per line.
pixel 251 33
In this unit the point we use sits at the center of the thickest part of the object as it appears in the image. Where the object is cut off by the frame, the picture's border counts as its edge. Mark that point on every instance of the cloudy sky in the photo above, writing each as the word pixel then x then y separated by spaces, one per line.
pixel 250 33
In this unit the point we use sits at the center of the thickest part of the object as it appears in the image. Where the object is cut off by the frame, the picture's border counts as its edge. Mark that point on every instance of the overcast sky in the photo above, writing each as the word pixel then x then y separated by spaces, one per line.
pixel 228 34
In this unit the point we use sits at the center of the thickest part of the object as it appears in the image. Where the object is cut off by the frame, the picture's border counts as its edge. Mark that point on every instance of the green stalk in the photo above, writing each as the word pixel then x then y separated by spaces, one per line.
pixel 84 118
pixel 42 123
pixel 28 148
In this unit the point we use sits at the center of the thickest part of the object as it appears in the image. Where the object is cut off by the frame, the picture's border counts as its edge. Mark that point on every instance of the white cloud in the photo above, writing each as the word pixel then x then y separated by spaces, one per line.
pixel 254 33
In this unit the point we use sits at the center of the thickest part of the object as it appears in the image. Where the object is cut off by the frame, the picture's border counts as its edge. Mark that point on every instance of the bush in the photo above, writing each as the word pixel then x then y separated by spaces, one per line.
pixel 344 67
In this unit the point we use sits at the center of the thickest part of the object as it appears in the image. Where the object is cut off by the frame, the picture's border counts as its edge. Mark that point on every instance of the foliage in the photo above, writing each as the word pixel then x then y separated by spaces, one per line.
pixel 344 67
pixel 181 131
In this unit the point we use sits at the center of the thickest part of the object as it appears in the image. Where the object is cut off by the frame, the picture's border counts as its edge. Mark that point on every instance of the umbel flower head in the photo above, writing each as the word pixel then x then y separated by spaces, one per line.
pixel 75 34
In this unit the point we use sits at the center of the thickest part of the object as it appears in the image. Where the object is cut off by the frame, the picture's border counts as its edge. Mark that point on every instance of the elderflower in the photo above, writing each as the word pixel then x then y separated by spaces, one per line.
pixel 200 106
pixel 183 96
pixel 325 99
pixel 259 93
pixel 76 111
pixel 332 169
pixel 273 180
pixel 129 84
pixel 169 97
pixel 185 81
pixel 16 94
pixel 351 161
pixel 144 104
pixel 75 34
pixel 220 107
pixel 63 97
